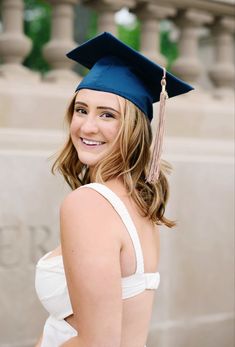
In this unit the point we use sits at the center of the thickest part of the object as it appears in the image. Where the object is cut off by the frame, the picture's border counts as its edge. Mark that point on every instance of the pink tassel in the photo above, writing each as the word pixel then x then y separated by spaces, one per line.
pixel 154 168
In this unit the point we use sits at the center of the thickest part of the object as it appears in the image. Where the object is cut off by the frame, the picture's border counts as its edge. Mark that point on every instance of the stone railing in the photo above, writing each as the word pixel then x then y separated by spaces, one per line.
pixel 190 17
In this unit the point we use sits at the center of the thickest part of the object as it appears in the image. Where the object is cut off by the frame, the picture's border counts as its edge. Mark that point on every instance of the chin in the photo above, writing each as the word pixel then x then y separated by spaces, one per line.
pixel 91 162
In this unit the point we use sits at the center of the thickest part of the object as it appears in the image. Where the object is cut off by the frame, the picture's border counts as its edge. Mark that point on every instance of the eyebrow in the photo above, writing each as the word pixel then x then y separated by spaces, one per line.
pixel 98 107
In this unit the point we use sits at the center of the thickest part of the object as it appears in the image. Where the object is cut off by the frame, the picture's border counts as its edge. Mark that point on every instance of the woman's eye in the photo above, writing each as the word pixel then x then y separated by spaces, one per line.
pixel 107 115
pixel 80 110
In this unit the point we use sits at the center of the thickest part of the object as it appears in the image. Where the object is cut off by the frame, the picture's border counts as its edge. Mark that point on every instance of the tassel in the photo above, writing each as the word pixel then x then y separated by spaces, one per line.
pixel 154 168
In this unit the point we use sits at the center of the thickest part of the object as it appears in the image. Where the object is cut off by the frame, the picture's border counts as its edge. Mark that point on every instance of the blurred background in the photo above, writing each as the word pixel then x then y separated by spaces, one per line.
pixel 194 39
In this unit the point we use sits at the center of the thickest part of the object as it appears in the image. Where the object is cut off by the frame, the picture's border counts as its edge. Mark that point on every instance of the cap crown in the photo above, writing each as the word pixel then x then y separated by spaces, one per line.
pixel 119 69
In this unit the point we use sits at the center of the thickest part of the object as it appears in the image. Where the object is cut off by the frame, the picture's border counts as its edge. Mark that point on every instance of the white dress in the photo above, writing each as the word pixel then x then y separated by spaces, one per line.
pixel 51 286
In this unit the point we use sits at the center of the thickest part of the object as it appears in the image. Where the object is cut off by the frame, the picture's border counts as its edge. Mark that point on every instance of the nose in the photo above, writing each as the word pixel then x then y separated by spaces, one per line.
pixel 89 125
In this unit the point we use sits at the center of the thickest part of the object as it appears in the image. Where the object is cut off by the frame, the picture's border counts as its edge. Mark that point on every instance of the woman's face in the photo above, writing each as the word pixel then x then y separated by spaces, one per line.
pixel 95 124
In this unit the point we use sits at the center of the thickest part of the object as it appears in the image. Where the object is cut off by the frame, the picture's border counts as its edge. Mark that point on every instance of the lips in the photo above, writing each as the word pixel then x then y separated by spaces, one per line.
pixel 91 143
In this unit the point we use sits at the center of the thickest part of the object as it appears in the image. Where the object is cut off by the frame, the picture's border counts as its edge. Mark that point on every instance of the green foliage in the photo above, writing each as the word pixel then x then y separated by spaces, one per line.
pixel 93 25
pixel 130 36
pixel 37 23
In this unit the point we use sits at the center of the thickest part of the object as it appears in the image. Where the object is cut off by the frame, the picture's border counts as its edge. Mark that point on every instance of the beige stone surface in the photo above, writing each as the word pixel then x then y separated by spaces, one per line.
pixel 61 42
pixel 206 334
pixel 150 14
pixel 222 72
pixel 40 105
pixel 15 45
pixel 29 212
pixel 201 115
pixel 188 66
pixel 195 302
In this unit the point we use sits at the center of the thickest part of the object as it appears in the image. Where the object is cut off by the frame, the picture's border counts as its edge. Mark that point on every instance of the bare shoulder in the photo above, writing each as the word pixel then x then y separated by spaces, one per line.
pixel 85 211
pixel 82 198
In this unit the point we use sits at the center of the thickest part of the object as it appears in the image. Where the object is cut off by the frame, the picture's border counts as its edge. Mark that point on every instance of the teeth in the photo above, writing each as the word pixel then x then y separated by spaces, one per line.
pixel 89 142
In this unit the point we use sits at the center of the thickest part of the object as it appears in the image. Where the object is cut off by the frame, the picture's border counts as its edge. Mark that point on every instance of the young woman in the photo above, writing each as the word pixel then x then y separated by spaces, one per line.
pixel 98 285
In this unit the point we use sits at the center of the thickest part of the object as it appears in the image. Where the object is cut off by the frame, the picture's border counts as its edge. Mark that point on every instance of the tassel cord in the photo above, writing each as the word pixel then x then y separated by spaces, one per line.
pixel 154 169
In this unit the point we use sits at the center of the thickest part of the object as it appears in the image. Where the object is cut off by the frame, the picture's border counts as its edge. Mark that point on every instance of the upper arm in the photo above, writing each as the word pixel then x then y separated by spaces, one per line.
pixel 91 254
pixel 158 242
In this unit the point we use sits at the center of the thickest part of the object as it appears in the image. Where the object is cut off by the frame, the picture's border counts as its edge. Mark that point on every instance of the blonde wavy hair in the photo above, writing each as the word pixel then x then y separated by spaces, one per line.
pixel 128 159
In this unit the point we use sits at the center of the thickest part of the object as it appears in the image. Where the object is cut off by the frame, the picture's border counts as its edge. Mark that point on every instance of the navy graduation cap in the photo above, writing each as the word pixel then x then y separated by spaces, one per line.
pixel 119 69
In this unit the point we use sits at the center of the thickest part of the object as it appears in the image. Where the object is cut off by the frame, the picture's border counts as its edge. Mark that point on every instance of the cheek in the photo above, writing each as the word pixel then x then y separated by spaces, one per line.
pixel 74 130
pixel 74 126
pixel 112 131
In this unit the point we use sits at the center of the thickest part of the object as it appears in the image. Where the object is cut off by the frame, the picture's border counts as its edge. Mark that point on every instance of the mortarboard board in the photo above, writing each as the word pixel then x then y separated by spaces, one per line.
pixel 119 69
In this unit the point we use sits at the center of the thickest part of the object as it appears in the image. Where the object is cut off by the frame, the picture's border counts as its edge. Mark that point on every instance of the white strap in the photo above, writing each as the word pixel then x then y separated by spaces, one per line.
pixel 121 209
pixel 136 284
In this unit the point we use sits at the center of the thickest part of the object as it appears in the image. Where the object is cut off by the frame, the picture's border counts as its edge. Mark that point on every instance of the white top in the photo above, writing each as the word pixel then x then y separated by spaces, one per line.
pixel 51 286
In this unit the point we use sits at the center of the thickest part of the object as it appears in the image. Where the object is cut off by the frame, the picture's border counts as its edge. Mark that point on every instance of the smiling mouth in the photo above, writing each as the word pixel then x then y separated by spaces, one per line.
pixel 91 142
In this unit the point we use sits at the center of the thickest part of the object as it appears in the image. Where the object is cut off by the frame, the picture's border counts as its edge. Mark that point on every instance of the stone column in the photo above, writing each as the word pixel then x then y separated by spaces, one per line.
pixel 188 65
pixel 150 15
pixel 61 42
pixel 222 72
pixel 106 10
pixel 14 45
